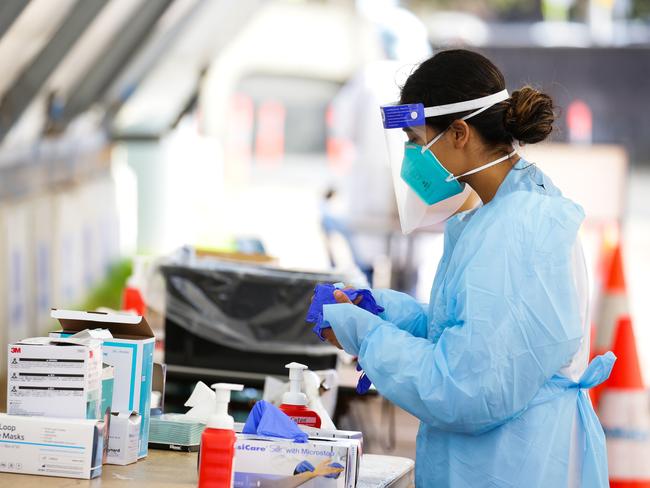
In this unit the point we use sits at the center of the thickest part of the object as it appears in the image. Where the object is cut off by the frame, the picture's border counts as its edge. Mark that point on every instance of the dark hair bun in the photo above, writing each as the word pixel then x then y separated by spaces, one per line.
pixel 529 116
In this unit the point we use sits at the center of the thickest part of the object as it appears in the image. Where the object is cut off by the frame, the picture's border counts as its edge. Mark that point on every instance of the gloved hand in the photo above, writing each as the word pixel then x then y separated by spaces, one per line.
pixel 304 466
pixel 364 383
pixel 268 420
pixel 324 295
pixel 334 470
pixel 336 466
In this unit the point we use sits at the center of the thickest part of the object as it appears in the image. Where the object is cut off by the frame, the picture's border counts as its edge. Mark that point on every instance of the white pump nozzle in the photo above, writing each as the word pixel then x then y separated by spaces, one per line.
pixel 295 396
pixel 220 419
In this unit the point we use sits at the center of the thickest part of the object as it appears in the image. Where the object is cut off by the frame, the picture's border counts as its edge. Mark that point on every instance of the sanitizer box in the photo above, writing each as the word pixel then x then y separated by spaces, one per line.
pixel 259 459
pixel 54 377
pixel 129 351
pixel 123 438
pixel 51 446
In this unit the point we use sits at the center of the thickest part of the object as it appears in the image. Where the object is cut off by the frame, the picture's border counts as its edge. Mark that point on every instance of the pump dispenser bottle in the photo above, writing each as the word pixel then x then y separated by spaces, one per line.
pixel 294 402
pixel 218 442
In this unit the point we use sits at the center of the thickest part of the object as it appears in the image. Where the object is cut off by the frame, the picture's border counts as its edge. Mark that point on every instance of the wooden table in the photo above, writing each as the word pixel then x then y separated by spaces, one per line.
pixel 166 469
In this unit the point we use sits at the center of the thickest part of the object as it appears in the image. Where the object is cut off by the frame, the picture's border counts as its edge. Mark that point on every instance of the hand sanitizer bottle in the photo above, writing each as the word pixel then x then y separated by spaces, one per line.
pixel 218 442
pixel 294 402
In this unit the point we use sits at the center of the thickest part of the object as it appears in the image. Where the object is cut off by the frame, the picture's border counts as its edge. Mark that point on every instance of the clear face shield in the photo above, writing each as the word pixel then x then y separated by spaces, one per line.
pixel 426 192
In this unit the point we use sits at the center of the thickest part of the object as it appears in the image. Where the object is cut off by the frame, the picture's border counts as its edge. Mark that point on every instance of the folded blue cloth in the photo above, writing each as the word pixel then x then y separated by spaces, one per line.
pixel 268 420
pixel 324 295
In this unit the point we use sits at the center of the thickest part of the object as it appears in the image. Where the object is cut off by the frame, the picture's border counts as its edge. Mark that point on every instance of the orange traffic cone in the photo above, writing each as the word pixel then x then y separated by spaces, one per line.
pixel 625 414
pixel 613 306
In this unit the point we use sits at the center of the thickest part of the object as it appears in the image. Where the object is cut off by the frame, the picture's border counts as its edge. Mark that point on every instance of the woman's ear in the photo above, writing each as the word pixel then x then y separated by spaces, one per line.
pixel 460 133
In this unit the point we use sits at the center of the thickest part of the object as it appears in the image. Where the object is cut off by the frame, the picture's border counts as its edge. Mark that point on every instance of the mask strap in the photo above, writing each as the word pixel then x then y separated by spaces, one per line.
pixel 434 140
pixel 496 98
pixel 481 168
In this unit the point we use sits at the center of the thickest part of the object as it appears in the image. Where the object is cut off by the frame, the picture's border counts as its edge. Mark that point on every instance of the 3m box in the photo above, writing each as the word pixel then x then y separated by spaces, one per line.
pixel 69 448
pixel 129 351
pixel 259 459
pixel 51 377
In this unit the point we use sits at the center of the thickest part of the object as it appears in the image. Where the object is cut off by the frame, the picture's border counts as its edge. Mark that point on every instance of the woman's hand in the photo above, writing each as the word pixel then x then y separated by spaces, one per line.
pixel 324 469
pixel 328 332
pixel 341 297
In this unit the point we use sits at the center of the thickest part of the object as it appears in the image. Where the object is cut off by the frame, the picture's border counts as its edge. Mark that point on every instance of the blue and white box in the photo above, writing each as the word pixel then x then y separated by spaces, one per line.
pixel 318 463
pixel 49 446
pixel 129 351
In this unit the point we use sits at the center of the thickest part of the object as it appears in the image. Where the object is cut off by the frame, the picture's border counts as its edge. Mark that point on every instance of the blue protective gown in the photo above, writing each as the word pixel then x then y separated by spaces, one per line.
pixel 480 367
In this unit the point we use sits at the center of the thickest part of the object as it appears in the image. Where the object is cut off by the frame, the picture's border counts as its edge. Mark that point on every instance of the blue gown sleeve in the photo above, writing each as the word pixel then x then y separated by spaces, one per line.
pixel 402 310
pixel 517 323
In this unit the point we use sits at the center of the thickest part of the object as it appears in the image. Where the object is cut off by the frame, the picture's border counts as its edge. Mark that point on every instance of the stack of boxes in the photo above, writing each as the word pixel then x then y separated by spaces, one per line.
pixel 95 373
pixel 129 350
pixel 54 424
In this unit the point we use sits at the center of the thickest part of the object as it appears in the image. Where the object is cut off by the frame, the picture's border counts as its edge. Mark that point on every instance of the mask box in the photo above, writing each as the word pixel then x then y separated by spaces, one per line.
pixel 129 351
pixel 68 448
pixel 50 377
pixel 259 459
pixel 123 438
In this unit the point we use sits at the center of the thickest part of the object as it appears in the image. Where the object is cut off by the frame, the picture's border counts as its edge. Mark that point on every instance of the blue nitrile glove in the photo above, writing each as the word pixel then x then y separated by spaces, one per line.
pixel 364 383
pixel 306 466
pixel 324 295
pixel 268 420
pixel 335 476
pixel 303 467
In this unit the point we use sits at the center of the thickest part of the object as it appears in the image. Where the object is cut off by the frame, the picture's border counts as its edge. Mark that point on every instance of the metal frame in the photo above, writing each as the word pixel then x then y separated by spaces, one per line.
pixel 32 79
pixel 152 55
pixel 120 51
pixel 10 10
pixel 146 59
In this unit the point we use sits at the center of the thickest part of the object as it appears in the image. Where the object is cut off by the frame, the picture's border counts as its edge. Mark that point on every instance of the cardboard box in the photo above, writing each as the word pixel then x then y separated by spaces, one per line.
pixel 263 458
pixel 51 446
pixel 130 352
pixel 314 433
pixel 123 438
pixel 50 377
